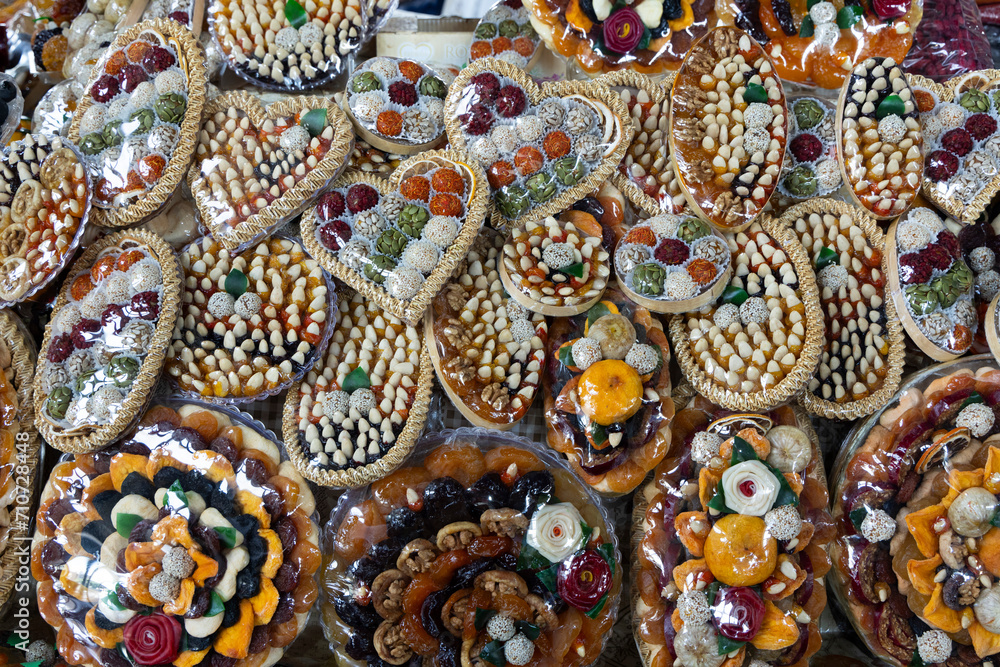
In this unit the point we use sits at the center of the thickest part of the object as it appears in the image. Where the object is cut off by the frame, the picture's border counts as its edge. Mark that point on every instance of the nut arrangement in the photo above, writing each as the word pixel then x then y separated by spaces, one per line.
pixel 250 323
pixel 881 143
pixel 488 349
pixel 730 128
pixel 813 169
pixel 557 263
pixel 44 200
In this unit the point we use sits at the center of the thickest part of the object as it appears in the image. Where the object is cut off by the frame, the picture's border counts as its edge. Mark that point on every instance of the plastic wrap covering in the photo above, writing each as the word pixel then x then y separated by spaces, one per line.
pixel 951 41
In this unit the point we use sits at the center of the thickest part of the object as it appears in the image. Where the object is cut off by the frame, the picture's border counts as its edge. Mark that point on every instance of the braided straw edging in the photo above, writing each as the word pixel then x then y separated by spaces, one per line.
pixel 805 366
pixel 22 352
pixel 293 201
pixel 85 439
pixel 945 92
pixel 591 89
pixel 897 342
pixel 366 474
pixel 150 202
pixel 640 505
pixel 411 310
pixel 659 93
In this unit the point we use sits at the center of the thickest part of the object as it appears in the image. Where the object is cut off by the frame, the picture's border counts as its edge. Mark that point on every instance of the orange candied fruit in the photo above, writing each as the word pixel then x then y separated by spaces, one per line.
pixel 411 70
pixel 524 46
pixel 501 44
pixel 129 258
pixel 151 167
pixel 136 50
pixel 448 180
pixel 81 286
pixel 103 268
pixel 480 49
pixel 528 160
pixel 389 123
pixel 115 63
pixel 54 53
pixel 416 187
pixel 446 204
pixel 556 144
pixel 642 236
pixel 202 421
pixel 701 271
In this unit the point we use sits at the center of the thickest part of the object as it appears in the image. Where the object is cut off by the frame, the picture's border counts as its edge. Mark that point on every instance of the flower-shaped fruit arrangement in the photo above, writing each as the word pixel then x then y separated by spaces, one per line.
pixel 916 557
pixel 398 104
pixel 673 264
pixel 963 145
pixel 862 360
pixel 289 45
pixel 607 393
pixel 473 558
pixel 556 266
pixel 488 350
pixel 505 32
pixel 539 147
pixel 190 543
pixel 649 36
pixel 365 400
pixel 106 342
pixel 730 127
pixel 819 42
pixel 931 284
pixel 647 174
pixel 759 344
pixel 136 123
pixel 44 202
pixel 256 168
pixel 881 147
pixel 732 536
pixel 402 238
pixel 252 323
pixel 812 169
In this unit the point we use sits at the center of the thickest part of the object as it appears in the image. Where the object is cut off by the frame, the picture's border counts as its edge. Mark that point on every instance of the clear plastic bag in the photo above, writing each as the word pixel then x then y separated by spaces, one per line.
pixel 191 540
pixel 505 32
pixel 732 540
pixel 485 545
pixel 811 168
pixel 54 112
pixel 911 488
pixel 949 41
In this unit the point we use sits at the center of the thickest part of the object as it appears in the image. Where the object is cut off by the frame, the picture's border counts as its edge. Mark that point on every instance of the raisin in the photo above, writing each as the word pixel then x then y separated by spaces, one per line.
pixel 245 523
pixel 135 447
pixel 273 502
pixel 255 471
pixel 199 604
pixel 219 660
pixel 365 569
pixel 285 610
pixel 356 616
pixel 112 658
pixel 287 533
pixel 232 612
pixel 54 557
pixel 142 531
pixel 257 550
pixel 783 12
pixel 259 640
pixel 193 480
pixel 287 578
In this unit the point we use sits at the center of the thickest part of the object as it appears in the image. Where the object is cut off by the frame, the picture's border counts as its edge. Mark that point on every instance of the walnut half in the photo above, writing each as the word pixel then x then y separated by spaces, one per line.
pixel 504 521
pixel 390 644
pixel 496 396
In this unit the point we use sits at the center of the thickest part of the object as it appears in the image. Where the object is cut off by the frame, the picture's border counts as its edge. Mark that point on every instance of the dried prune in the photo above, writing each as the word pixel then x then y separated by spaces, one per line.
pixel 403 522
pixel 247 583
pixel 112 658
pixel 126 599
pixel 529 488
pixel 356 616
pixel 208 539
pixel 54 557
pixel 142 531
pixel 245 523
pixel 448 652
pixel 254 470
pixel 105 501
pixel 259 639
pixel 287 577
pixel 257 550
pixel 430 612
pixel 488 493
pixel 138 485
pixel 232 612
pixel 386 552
pixel 365 569
pixel 225 447
pixel 783 12
pixel 273 502
pixel 198 643
pixel 135 447
pixel 193 480
pixel 103 622
pixel 466 575
pixel 287 533
pixel 360 646
pixel 218 660
pixel 444 503
pixel 222 502
pixel 92 536
pixel 166 476
pixel 199 603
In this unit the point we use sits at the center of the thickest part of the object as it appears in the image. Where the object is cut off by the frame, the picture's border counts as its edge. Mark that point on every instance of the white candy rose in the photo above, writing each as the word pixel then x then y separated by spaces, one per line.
pixel 556 531
pixel 750 488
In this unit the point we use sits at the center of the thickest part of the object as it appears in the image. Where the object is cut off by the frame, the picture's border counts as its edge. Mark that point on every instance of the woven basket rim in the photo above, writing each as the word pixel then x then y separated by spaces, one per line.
pixel 291 202
pixel 23 362
pixel 411 310
pixel 197 84
pixel 794 381
pixel 592 89
pixel 366 474
pixel 897 341
pixel 945 92
pixel 142 390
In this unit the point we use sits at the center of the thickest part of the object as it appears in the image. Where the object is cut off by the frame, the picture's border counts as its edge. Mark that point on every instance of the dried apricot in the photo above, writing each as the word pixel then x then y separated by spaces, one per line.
pixel 739 551
pixel 389 493
pixel 204 422
pixel 362 527
pixel 161 413
pixel 464 463
pixel 54 53
pixel 444 566
pixel 610 391
pixel 500 459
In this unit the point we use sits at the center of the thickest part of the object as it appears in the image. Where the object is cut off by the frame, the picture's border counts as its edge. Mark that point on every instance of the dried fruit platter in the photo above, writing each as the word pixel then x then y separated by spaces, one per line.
pixel 45 200
pixel 931 284
pixel 357 413
pixel 191 541
pixel 556 267
pixel 880 147
pixel 488 350
pixel 650 37
pixel 469 531
pixel 959 121
pixel 139 116
pixel 914 560
pixel 252 323
pixel 862 360
pixel 396 105
pixel 812 169
pixel 673 264
pixel 107 340
pixel 730 538
pixel 760 343
pixel 505 32
pixel 398 241
pixel 607 393
pixel 542 148
pixel 256 168
pixel 729 124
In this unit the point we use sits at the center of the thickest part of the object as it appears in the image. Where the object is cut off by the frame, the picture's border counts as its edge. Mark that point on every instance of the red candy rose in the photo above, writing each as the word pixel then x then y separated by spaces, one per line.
pixel 153 639
pixel 738 613
pixel 583 579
